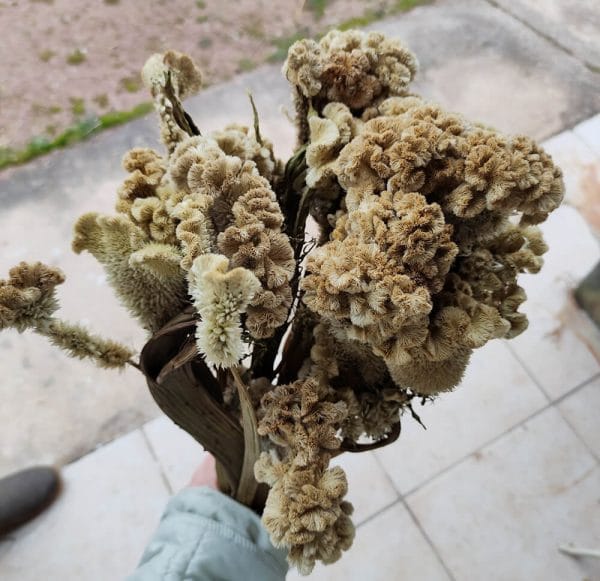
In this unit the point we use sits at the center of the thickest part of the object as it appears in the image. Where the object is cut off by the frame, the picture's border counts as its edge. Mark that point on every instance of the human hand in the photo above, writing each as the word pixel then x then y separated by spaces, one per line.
pixel 206 473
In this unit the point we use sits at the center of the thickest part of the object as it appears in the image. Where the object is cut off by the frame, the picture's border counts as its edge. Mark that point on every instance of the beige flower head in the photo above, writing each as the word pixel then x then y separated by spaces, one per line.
pixel 27 297
pixel 353 67
pixel 220 296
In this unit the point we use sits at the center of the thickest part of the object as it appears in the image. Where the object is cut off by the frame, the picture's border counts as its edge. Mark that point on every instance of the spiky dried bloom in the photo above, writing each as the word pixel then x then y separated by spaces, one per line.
pixel 421 188
pixel 352 67
pixel 171 77
pixel 305 511
pixel 142 273
pixel 220 297
pixel 28 301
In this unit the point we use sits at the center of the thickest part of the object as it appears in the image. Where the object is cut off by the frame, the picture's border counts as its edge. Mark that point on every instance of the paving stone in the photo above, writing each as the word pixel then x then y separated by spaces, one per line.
pixel 97 529
pixel 572 24
pixel 388 547
pixel 495 395
pixel 369 488
pixel 480 61
pixel 502 513
pixel 580 165
pixel 561 347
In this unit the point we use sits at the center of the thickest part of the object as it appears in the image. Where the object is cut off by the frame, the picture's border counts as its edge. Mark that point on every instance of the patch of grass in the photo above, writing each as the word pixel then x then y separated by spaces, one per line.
pixel 77 106
pixel 360 21
pixel 317 7
pixel 78 132
pixel 202 18
pixel 77 57
pixel 111 2
pixel 46 55
pixel 404 5
pixel 200 4
pixel 101 100
pixel 282 45
pixel 205 42
pixel 113 118
pixel 246 65
pixel 131 84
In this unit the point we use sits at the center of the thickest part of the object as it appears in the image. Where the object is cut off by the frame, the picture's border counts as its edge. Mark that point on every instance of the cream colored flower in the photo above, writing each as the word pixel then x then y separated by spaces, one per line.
pixel 220 296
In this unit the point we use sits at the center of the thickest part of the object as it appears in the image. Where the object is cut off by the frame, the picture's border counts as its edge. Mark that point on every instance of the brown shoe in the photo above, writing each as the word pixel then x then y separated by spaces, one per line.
pixel 25 494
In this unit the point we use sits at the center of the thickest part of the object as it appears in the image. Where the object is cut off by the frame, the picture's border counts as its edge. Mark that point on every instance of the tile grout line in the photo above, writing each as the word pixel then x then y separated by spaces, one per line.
pixel 401 500
pixel 378 512
pixel 569 423
pixel 493 440
pixel 427 538
pixel 156 459
pixel 528 371
pixel 547 37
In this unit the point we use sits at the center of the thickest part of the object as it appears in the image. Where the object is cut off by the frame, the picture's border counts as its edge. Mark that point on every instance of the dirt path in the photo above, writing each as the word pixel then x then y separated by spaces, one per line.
pixel 65 61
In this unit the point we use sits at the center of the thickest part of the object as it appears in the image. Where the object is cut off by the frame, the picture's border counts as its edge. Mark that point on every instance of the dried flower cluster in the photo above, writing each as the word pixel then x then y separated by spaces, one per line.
pixel 426 221
pixel 28 301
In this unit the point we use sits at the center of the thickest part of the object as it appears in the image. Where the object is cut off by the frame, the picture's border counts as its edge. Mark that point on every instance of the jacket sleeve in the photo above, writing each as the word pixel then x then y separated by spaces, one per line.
pixel 206 536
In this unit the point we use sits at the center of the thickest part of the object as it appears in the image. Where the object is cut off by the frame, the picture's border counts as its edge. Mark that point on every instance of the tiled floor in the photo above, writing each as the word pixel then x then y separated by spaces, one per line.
pixel 507 470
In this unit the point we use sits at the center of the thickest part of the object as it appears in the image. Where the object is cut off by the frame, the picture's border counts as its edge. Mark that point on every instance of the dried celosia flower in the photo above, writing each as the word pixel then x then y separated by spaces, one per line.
pixel 352 67
pixel 170 77
pixel 139 282
pixel 385 277
pixel 241 141
pixel 358 378
pixel 328 134
pixel 305 511
pixel 220 296
pixel 297 416
pixel 28 301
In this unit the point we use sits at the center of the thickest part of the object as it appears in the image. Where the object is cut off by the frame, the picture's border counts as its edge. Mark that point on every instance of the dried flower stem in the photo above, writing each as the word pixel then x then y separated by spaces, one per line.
pixel 247 485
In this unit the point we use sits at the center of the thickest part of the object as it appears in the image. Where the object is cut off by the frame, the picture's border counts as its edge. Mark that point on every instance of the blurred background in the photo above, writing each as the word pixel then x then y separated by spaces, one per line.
pixel 508 468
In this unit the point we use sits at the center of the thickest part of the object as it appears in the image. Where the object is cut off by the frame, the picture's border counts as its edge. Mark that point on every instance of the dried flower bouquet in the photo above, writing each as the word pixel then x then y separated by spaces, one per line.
pixel 278 351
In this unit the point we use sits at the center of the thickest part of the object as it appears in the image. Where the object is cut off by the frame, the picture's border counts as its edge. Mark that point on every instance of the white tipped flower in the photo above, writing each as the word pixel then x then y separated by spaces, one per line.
pixel 220 296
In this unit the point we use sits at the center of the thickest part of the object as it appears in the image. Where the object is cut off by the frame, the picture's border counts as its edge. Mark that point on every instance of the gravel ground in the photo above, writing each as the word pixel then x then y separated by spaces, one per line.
pixel 62 61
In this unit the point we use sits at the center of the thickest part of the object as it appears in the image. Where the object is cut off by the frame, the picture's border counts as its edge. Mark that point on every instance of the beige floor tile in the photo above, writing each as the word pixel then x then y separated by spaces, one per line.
pixel 388 548
pixel 495 395
pixel 369 488
pixel 178 453
pixel 110 505
pixel 589 131
pixel 559 348
pixel 582 411
pixel 501 514
pixel 581 171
